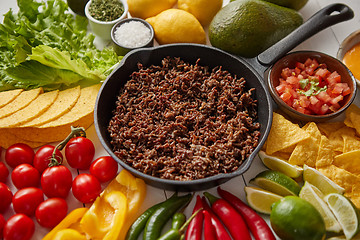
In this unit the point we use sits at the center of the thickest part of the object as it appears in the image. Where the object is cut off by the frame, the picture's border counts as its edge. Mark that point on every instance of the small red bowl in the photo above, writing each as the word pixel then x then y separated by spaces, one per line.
pixel 333 64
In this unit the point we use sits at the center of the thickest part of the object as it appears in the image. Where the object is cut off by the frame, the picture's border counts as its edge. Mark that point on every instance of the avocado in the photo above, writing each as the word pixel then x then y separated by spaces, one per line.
pixel 248 27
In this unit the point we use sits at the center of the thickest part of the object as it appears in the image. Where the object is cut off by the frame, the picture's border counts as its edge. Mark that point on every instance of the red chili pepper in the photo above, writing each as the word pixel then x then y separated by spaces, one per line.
pixel 257 225
pixel 209 230
pixel 194 230
pixel 220 230
pixel 231 218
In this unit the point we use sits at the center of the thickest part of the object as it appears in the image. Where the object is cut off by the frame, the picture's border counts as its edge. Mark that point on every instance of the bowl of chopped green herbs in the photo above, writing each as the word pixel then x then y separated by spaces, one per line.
pixel 103 14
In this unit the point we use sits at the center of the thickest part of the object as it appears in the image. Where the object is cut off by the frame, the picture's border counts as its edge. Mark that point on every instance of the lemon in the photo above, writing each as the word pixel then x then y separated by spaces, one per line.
pixel 276 182
pixel 177 26
pixel 148 8
pixel 203 10
pixel 313 195
pixel 260 200
pixel 345 212
pixel 320 181
pixel 280 165
pixel 295 218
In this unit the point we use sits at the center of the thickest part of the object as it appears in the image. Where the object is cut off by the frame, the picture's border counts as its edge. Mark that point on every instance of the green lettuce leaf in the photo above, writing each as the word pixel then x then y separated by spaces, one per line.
pixel 44 40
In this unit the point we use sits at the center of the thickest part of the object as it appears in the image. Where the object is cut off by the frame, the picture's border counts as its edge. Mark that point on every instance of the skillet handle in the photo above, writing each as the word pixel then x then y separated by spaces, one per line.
pixel 326 17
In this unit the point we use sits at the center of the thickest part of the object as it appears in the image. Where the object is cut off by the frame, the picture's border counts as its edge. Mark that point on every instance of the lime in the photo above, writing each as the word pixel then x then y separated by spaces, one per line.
pixel 280 165
pixel 295 218
pixel 276 182
pixel 345 212
pixel 320 181
pixel 313 195
pixel 260 200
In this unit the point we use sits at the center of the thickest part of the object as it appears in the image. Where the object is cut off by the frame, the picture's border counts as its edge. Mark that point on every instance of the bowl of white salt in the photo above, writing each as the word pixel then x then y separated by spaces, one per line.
pixel 131 33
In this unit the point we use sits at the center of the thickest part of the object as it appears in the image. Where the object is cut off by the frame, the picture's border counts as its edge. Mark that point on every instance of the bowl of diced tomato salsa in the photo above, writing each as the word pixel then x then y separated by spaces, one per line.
pixel 311 86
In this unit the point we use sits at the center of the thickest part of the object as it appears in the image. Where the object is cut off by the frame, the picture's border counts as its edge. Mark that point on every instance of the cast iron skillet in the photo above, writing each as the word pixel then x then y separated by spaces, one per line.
pixel 251 69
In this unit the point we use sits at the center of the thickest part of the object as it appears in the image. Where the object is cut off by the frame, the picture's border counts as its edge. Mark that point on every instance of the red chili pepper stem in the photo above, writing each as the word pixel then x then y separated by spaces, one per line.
pixel 212 199
pixel 75 132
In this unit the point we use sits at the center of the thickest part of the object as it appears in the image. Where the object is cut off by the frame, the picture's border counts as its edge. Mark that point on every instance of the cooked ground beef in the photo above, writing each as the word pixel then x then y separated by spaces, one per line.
pixel 183 122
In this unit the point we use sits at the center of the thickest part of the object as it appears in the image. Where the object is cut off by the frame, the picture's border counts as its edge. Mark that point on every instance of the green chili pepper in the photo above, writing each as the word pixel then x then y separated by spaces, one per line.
pixel 161 216
pixel 138 226
pixel 178 226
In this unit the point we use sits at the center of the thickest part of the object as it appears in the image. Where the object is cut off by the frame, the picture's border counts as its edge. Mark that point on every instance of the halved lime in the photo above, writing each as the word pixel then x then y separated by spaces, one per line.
pixel 313 195
pixel 276 182
pixel 260 200
pixel 345 212
pixel 277 164
pixel 295 218
pixel 319 180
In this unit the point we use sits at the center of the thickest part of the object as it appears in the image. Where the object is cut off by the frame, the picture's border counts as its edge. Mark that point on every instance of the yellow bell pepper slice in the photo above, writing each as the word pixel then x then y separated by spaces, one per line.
pixel 106 216
pixel 71 221
pixel 69 234
pixel 135 192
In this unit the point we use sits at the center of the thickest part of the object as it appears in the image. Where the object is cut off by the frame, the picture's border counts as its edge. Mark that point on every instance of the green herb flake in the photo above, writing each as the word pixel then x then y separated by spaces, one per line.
pixel 314 88
pixel 304 83
pixel 106 10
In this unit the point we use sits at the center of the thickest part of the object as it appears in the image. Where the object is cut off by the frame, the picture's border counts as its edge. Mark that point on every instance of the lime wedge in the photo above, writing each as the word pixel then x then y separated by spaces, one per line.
pixel 319 180
pixel 261 200
pixel 345 212
pixel 280 165
pixel 313 195
pixel 277 183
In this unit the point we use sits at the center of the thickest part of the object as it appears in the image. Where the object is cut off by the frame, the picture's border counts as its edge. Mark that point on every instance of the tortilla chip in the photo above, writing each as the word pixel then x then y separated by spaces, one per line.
pixel 284 134
pixel 63 103
pixel 349 161
pixel 329 127
pixel 355 195
pixel 24 99
pixel 326 154
pixel 31 111
pixel 306 151
pixel 350 143
pixel 341 177
pixel 351 109
pixel 82 114
pixel 7 139
pixel 336 137
pixel 8 96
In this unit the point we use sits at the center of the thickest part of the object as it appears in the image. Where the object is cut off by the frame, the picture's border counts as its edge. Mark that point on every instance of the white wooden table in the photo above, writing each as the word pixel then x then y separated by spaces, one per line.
pixel 326 41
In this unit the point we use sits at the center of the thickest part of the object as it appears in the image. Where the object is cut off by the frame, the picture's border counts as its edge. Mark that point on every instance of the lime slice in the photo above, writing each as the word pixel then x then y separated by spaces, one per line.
pixel 277 183
pixel 313 195
pixel 261 200
pixel 280 165
pixel 319 180
pixel 345 212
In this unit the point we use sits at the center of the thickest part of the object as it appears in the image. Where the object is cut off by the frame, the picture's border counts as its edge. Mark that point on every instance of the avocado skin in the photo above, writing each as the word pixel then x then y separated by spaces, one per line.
pixel 294 4
pixel 248 27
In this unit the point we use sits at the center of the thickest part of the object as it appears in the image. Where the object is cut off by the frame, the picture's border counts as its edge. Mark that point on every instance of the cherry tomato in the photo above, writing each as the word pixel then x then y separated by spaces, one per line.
pixel 104 168
pixel 19 153
pixel 43 156
pixel 19 227
pixel 79 152
pixel 2 224
pixel 26 200
pixel 5 197
pixel 56 181
pixel 86 188
pixel 4 172
pixel 50 212
pixel 24 176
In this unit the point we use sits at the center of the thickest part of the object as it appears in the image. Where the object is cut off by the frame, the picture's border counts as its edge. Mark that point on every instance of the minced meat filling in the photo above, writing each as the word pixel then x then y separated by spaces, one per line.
pixel 183 122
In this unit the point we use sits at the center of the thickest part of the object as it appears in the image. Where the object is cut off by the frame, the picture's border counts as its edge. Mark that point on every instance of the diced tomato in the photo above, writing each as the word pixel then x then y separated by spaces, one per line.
pixel 286 72
pixel 336 99
pixel 335 107
pixel 292 80
pixel 322 72
pixel 300 66
pixel 333 78
pixel 323 96
pixel 286 96
pixel 323 109
pixel 313 100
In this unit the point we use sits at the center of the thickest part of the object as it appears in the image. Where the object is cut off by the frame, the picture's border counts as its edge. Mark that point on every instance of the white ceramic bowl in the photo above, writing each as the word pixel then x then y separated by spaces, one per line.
pixel 349 42
pixel 103 29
